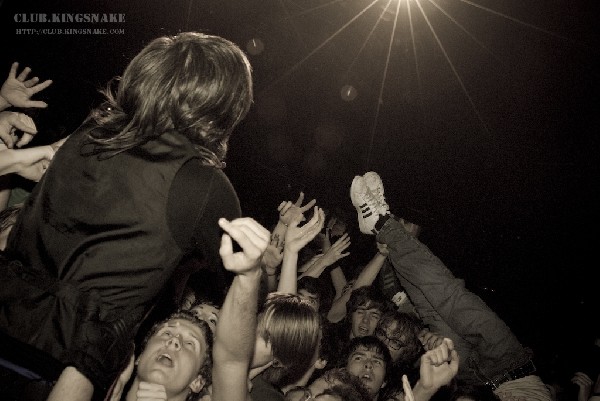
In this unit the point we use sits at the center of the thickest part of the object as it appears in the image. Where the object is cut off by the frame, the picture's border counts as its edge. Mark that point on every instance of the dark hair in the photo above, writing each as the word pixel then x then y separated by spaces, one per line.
pixel 348 392
pixel 370 343
pixel 408 327
pixel 317 286
pixel 195 84
pixel 369 296
pixel 206 368
pixel 340 376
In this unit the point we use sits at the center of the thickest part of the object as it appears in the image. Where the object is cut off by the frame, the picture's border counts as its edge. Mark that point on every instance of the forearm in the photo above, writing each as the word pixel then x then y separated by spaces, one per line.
pixel 315 270
pixel 235 338
pixel 338 309
pixel 237 319
pixel 289 271
pixel 370 272
pixel 14 160
pixel 339 280
pixel 423 394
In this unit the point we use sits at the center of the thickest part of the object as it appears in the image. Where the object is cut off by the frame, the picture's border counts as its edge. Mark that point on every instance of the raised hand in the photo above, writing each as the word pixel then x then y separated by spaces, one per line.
pixel 438 366
pixel 17 90
pixel 336 251
pixel 12 121
pixel 584 383
pixel 297 237
pixel 273 255
pixel 252 238
pixel 288 210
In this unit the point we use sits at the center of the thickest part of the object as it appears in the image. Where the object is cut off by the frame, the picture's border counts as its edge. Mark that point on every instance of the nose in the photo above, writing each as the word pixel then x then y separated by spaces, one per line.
pixel 368 364
pixel 174 342
pixel 366 318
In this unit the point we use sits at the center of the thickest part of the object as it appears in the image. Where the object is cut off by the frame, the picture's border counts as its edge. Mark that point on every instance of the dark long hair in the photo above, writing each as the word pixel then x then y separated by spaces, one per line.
pixel 195 84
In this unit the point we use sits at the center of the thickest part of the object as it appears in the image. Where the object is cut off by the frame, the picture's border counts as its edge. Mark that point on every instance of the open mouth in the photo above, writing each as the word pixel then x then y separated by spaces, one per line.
pixel 165 360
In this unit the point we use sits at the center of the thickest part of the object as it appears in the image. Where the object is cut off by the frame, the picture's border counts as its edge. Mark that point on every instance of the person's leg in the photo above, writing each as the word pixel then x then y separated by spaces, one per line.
pixel 496 349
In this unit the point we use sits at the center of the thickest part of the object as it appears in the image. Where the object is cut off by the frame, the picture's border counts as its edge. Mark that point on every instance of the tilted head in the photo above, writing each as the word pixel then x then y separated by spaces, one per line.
pixel 177 353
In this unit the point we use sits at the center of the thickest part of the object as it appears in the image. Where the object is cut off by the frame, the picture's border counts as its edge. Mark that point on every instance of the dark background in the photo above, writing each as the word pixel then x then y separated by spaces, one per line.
pixel 483 124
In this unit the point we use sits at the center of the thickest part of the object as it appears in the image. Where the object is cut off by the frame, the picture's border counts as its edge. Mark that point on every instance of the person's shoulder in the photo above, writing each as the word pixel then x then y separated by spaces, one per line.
pixel 264 391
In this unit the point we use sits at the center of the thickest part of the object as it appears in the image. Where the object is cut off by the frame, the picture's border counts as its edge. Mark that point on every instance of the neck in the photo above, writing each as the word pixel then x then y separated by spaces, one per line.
pixel 132 393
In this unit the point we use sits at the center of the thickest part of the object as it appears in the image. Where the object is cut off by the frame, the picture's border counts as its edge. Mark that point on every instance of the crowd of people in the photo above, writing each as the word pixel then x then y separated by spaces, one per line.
pixel 131 272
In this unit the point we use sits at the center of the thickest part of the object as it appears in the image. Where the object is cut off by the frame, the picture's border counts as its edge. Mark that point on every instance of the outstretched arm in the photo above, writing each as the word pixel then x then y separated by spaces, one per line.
pixel 236 328
pixel 366 277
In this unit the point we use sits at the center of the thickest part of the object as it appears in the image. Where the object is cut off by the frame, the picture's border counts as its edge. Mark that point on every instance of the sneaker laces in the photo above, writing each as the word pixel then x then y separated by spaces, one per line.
pixel 374 202
pixel 379 199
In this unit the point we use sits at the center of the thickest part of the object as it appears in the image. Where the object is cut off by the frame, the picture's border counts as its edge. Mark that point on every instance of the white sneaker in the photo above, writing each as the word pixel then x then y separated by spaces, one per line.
pixel 375 185
pixel 366 204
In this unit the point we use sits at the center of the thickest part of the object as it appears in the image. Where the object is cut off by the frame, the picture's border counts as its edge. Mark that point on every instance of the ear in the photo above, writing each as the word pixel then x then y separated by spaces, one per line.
pixel 320 364
pixel 197 384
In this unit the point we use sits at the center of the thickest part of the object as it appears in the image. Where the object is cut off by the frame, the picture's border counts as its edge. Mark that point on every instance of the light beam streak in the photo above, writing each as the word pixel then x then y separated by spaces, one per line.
pixel 456 74
pixel 384 77
pixel 319 47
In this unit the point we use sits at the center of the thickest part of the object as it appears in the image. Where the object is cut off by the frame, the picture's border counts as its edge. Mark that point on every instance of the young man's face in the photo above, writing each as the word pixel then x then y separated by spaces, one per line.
pixel 208 313
pixel 392 338
pixel 364 321
pixel 369 367
pixel 173 357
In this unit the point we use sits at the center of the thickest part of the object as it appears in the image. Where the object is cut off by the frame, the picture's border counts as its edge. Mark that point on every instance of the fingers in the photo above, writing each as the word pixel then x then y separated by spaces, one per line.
pixel 150 392
pixel 284 207
pixel 23 75
pixel 23 122
pixel 300 199
pixel 342 243
pixel 38 104
pixel 12 74
pixel 247 233
pixel 308 205
pixel 408 393
pixel 31 82
pixel 39 87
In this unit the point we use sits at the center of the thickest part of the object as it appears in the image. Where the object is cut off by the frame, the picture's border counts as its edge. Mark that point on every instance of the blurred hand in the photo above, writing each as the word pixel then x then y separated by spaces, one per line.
pixel 288 210
pixel 297 237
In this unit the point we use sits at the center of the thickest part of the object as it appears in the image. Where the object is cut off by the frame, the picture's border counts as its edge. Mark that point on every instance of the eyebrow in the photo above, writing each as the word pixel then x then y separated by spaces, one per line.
pixel 189 331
